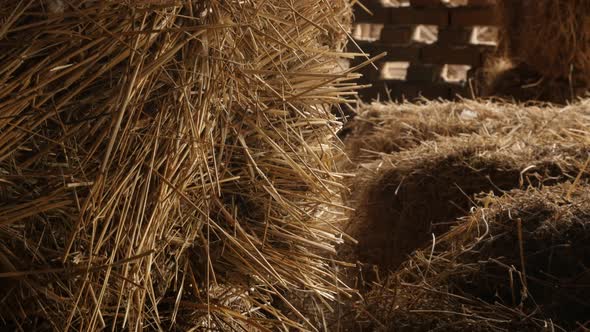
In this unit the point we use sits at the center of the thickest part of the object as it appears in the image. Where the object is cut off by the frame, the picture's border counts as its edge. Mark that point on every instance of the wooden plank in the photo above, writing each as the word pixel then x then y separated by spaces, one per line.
pixel 426 3
pixel 445 54
pixel 455 35
pixel 426 16
pixel 424 73
pixel 410 53
pixel 402 90
pixel 397 34
pixel 473 16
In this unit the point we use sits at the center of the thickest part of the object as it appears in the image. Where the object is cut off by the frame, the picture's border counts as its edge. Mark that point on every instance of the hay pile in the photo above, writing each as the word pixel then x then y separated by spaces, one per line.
pixel 429 179
pixel 419 167
pixel 547 44
pixel 517 263
pixel 168 164
pixel 381 129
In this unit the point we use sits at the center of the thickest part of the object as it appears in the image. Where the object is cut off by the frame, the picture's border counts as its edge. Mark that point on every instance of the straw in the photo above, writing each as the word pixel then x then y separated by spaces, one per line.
pixel 168 164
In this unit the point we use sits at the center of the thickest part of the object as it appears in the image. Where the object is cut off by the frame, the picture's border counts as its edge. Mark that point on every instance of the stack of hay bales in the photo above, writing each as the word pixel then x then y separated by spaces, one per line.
pixel 414 195
pixel 168 164
pixel 548 46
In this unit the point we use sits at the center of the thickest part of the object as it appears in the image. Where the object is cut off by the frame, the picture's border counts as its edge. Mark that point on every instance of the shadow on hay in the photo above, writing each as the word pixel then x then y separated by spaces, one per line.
pixel 556 256
pixel 404 206
pixel 518 263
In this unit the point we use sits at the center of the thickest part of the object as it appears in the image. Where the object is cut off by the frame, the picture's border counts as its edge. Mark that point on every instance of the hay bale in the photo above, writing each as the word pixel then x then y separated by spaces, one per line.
pixel 168 164
pixel 408 196
pixel 517 263
pixel 388 128
pixel 551 36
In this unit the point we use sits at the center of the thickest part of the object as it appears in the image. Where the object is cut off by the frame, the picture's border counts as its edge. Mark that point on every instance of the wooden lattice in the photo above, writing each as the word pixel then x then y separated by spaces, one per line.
pixel 433 46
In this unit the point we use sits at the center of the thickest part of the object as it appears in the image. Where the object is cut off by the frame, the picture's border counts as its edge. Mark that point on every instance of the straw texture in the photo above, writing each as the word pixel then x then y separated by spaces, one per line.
pixel 551 36
pixel 168 163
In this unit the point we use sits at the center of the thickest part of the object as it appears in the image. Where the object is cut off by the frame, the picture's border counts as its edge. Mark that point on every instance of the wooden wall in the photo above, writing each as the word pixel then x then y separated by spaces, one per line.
pixel 433 47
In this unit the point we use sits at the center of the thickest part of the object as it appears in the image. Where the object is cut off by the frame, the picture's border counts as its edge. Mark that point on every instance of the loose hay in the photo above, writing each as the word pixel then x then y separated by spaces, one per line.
pixel 168 164
pixel 411 196
pixel 517 263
